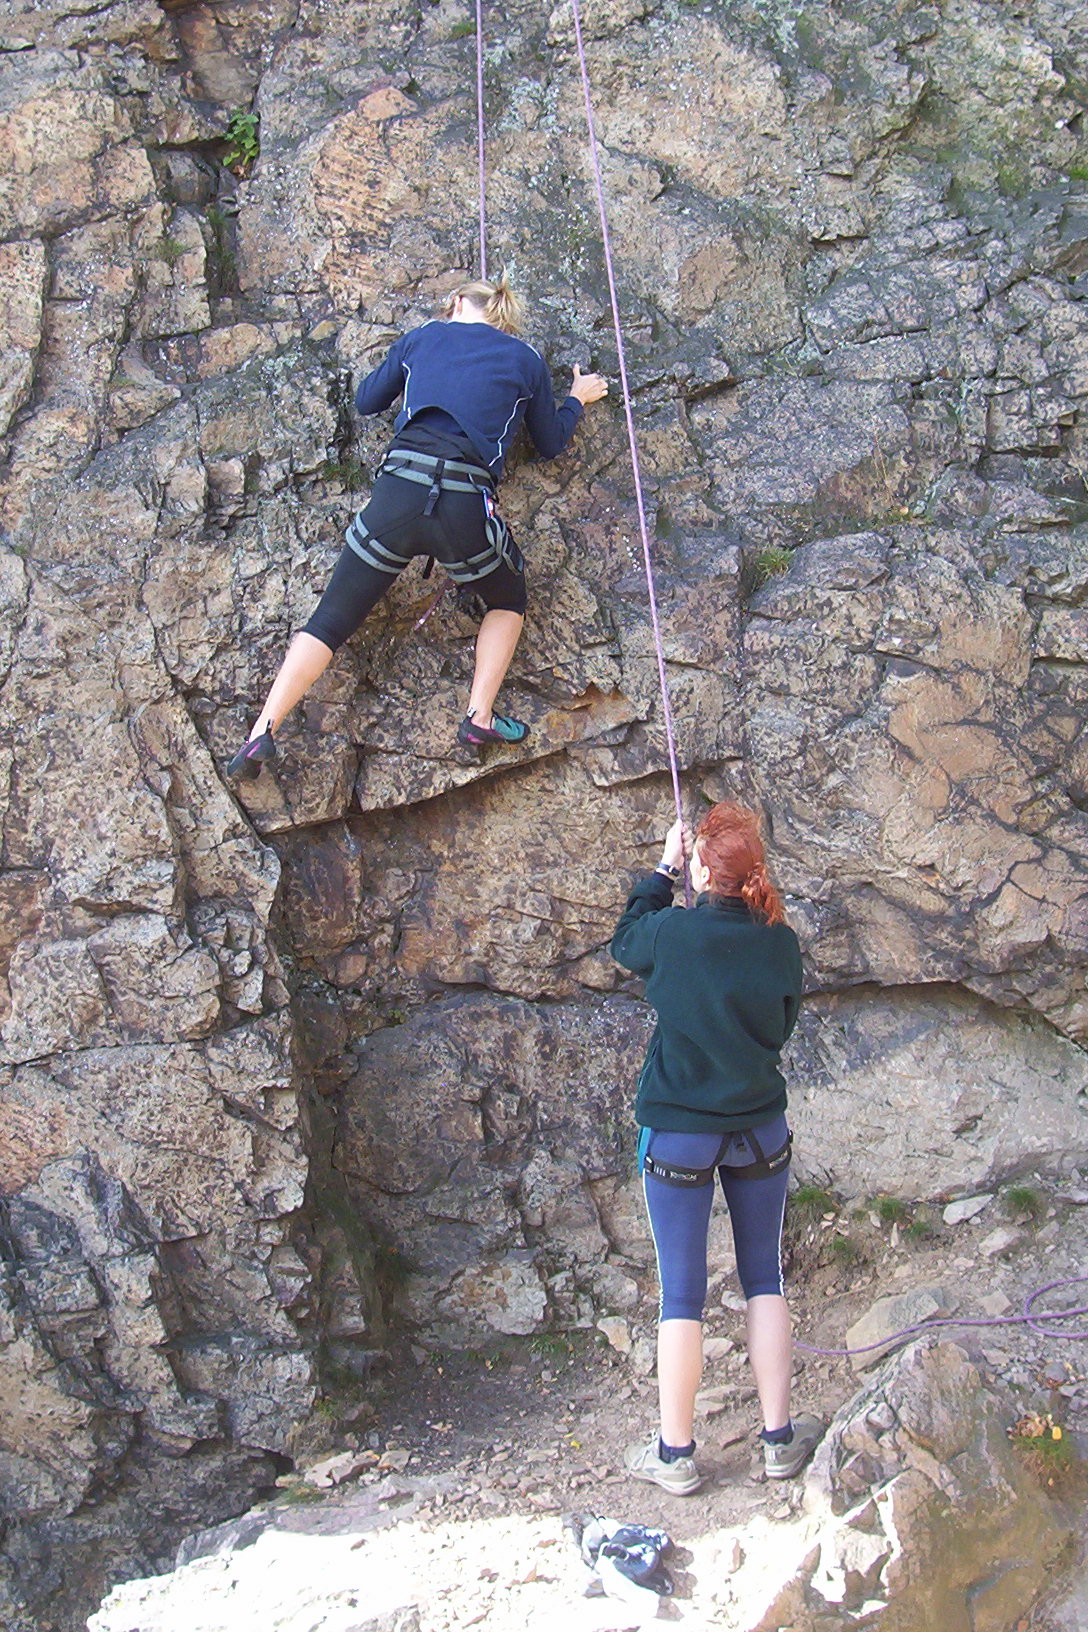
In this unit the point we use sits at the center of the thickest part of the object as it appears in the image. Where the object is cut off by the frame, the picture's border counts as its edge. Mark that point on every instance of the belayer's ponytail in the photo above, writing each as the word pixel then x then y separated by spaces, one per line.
pixel 731 850
pixel 502 308
pixel 760 896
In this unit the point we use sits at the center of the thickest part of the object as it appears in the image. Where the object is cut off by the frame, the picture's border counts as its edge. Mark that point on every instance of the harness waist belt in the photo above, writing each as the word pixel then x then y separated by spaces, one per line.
pixel 430 471
pixel 437 475
pixel 764 1167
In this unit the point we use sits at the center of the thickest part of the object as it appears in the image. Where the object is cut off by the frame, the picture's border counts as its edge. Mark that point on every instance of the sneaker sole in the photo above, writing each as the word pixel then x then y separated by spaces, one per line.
pixel 688 1489
pixel 794 1467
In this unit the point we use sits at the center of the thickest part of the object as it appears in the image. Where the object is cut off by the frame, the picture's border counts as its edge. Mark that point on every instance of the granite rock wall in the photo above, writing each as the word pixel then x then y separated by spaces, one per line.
pixel 257 1045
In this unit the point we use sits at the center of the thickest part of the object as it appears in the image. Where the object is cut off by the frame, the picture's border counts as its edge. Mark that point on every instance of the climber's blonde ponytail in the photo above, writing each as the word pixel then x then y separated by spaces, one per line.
pixel 501 307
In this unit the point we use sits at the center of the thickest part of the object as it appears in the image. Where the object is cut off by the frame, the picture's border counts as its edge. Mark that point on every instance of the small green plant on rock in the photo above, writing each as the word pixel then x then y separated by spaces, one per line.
pixel 771 562
pixel 243 141
pixel 844 1251
pixel 763 565
pixel 1024 1203
pixel 810 1212
pixel 299 1495
pixel 461 30
pixel 920 1227
pixel 912 1219
pixel 170 250
pixel 551 1346
pixel 1013 180
pixel 350 472
pixel 891 1210
pixel 222 247
pixel 809 1202
pixel 1046 1450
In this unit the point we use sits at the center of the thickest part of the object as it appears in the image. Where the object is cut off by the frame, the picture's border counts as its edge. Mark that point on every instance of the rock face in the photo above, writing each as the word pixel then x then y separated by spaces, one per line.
pixel 255 1046
pixel 918 1512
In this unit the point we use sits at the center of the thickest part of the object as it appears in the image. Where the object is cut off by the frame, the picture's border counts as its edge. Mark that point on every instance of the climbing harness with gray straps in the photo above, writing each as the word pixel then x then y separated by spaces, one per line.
pixel 438 476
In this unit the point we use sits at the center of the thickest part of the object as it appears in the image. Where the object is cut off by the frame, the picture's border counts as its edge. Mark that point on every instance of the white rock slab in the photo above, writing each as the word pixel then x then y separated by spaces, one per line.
pixel 617 1331
pixel 958 1212
pixel 867 1115
pixel 999 1240
pixel 887 1318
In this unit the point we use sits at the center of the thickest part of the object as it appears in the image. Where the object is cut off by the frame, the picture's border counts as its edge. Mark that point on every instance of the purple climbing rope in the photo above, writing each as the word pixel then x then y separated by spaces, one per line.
pixel 670 735
pixel 480 134
pixel 1029 1316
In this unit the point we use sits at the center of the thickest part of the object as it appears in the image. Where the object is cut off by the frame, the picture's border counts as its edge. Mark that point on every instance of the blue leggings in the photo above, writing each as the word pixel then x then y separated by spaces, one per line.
pixel 680 1216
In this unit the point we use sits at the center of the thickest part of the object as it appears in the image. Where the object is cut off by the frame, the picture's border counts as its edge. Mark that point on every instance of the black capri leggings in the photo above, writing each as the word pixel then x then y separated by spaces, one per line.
pixel 394 516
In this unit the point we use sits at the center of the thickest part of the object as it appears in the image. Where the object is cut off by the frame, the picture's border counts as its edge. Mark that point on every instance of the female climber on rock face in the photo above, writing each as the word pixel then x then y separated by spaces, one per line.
pixel 467 383
pixel 725 980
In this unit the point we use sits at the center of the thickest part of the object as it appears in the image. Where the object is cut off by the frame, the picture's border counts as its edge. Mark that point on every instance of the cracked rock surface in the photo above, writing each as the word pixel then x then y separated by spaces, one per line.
pixel 286 1066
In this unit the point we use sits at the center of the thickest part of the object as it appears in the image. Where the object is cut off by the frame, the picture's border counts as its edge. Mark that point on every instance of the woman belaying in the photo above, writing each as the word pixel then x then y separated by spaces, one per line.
pixel 467 382
pixel 725 980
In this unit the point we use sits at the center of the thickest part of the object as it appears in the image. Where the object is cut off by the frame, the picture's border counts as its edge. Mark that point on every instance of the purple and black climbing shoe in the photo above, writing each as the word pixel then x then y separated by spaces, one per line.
pixel 252 757
pixel 501 729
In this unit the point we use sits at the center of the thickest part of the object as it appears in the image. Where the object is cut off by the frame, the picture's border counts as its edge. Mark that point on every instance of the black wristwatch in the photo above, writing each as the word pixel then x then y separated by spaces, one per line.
pixel 668 870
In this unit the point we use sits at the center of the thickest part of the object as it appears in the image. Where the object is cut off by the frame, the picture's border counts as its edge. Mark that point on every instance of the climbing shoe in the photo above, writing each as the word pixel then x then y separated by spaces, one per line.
pixel 252 757
pixel 501 729
pixel 783 1461
pixel 644 1462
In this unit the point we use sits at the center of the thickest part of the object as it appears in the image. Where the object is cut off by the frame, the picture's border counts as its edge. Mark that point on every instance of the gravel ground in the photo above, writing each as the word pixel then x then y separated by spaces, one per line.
pixel 464 1465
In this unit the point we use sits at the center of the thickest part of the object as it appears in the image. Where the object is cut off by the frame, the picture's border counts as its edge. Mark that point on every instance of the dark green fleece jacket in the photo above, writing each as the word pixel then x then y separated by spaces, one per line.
pixel 726 988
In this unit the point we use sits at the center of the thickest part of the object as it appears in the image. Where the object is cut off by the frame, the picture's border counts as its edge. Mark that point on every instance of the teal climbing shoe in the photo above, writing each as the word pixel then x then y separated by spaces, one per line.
pixel 502 729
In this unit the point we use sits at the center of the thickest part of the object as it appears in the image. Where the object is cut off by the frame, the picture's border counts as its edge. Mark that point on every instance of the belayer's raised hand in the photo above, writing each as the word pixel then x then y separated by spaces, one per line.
pixel 678 845
pixel 588 387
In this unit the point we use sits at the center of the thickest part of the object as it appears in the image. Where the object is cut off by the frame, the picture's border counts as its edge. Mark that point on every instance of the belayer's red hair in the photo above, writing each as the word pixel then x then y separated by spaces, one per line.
pixel 731 850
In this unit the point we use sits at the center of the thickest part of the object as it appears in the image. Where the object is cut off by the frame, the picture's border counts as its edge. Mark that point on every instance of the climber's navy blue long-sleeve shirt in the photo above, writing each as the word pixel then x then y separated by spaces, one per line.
pixel 488 380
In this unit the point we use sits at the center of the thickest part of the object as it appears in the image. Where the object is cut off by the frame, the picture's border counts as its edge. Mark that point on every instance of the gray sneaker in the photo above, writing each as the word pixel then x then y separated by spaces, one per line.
pixel 783 1461
pixel 643 1462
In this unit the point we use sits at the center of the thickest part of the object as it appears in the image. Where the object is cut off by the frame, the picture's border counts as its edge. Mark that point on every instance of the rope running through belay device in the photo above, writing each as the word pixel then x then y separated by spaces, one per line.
pixel 1035 1319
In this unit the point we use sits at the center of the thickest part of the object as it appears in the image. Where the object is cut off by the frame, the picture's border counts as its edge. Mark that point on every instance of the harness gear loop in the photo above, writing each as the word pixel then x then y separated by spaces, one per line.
pixel 765 1165
pixel 436 487
pixel 685 1178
